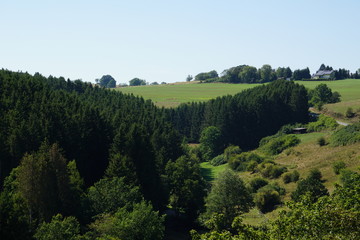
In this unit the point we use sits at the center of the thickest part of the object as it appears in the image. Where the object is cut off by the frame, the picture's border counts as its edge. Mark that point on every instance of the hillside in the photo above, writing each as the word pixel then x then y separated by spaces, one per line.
pixel 171 95
pixel 302 158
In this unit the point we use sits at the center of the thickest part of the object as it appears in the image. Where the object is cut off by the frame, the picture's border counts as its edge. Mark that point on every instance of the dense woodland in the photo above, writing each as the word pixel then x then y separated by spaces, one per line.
pixel 78 161
pixel 244 118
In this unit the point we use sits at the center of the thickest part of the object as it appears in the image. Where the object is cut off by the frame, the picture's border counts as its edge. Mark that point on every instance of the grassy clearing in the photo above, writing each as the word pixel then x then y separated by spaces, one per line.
pixel 209 172
pixel 171 95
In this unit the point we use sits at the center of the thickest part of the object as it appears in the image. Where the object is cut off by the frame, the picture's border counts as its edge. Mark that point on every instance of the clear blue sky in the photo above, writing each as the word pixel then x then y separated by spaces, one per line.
pixel 167 40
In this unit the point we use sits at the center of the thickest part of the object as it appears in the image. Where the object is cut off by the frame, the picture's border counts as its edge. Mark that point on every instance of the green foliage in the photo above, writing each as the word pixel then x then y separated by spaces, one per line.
pixel 244 118
pixel 109 194
pixel 44 182
pixel 323 123
pixel 349 113
pixel 231 151
pixel 206 76
pixel 107 81
pixel 245 161
pixel 210 141
pixel 59 228
pixel 187 187
pixel 322 94
pixel 137 82
pixel 218 160
pixel 257 183
pixel 291 177
pixel 347 135
pixel 301 74
pixel 228 196
pixel 348 195
pixel 276 144
pixel 321 141
pixel 139 223
pixel 271 170
pixel 14 220
pixel 266 199
pixel 324 219
pixel 311 185
pixel 189 78
pixel 338 166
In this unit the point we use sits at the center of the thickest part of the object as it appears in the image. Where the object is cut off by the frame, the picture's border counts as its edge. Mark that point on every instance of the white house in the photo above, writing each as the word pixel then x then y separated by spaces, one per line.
pixel 323 74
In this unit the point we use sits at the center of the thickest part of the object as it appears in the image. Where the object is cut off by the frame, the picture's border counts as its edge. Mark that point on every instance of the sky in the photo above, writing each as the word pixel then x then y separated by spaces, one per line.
pixel 165 41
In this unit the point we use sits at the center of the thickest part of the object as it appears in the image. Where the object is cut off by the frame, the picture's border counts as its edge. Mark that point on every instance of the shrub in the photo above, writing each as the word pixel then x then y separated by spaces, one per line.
pixel 276 145
pixel 231 151
pixel 266 199
pixel 323 123
pixel 312 185
pixel 346 135
pixel 338 166
pixel 295 176
pixel 218 160
pixel 257 183
pixel 291 177
pixel 350 113
pixel 243 161
pixel 321 141
pixel 287 177
pixel 251 166
pixel 270 170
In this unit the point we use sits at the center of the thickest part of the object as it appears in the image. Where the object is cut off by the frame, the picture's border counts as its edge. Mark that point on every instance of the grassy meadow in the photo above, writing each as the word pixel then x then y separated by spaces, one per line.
pixel 171 95
pixel 350 95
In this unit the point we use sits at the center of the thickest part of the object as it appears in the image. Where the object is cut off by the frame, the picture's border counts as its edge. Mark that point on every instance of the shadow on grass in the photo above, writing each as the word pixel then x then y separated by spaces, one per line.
pixel 207 174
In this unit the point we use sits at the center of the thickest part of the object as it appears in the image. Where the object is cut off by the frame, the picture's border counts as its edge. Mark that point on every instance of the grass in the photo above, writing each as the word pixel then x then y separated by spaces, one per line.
pixel 210 172
pixel 171 95
pixel 349 89
pixel 307 155
pixel 311 137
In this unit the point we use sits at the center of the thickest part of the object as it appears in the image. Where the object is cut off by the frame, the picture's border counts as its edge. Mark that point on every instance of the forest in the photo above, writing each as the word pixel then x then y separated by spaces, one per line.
pixel 79 161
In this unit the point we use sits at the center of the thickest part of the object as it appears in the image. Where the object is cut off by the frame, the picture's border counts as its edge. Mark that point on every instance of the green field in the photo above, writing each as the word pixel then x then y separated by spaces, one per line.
pixel 209 172
pixel 171 95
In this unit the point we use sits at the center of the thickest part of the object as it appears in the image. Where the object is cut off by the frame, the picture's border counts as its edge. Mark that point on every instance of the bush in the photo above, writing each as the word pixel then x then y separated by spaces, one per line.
pixel 338 166
pixel 245 161
pixel 231 151
pixel 266 199
pixel 218 160
pixel 251 166
pixel 257 183
pixel 275 145
pixel 295 176
pixel 287 177
pixel 346 135
pixel 291 177
pixel 350 113
pixel 323 123
pixel 270 170
pixel 321 141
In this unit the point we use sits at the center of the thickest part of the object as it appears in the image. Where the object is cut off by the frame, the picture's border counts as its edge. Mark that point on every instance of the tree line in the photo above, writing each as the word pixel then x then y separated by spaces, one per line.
pixel 250 74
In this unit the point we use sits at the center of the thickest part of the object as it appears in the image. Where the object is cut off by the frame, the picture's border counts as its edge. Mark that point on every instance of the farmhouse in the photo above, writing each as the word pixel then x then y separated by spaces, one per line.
pixel 323 74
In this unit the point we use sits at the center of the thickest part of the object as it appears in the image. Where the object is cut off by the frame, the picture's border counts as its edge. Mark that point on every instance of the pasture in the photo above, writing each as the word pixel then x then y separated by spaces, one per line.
pixel 171 95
